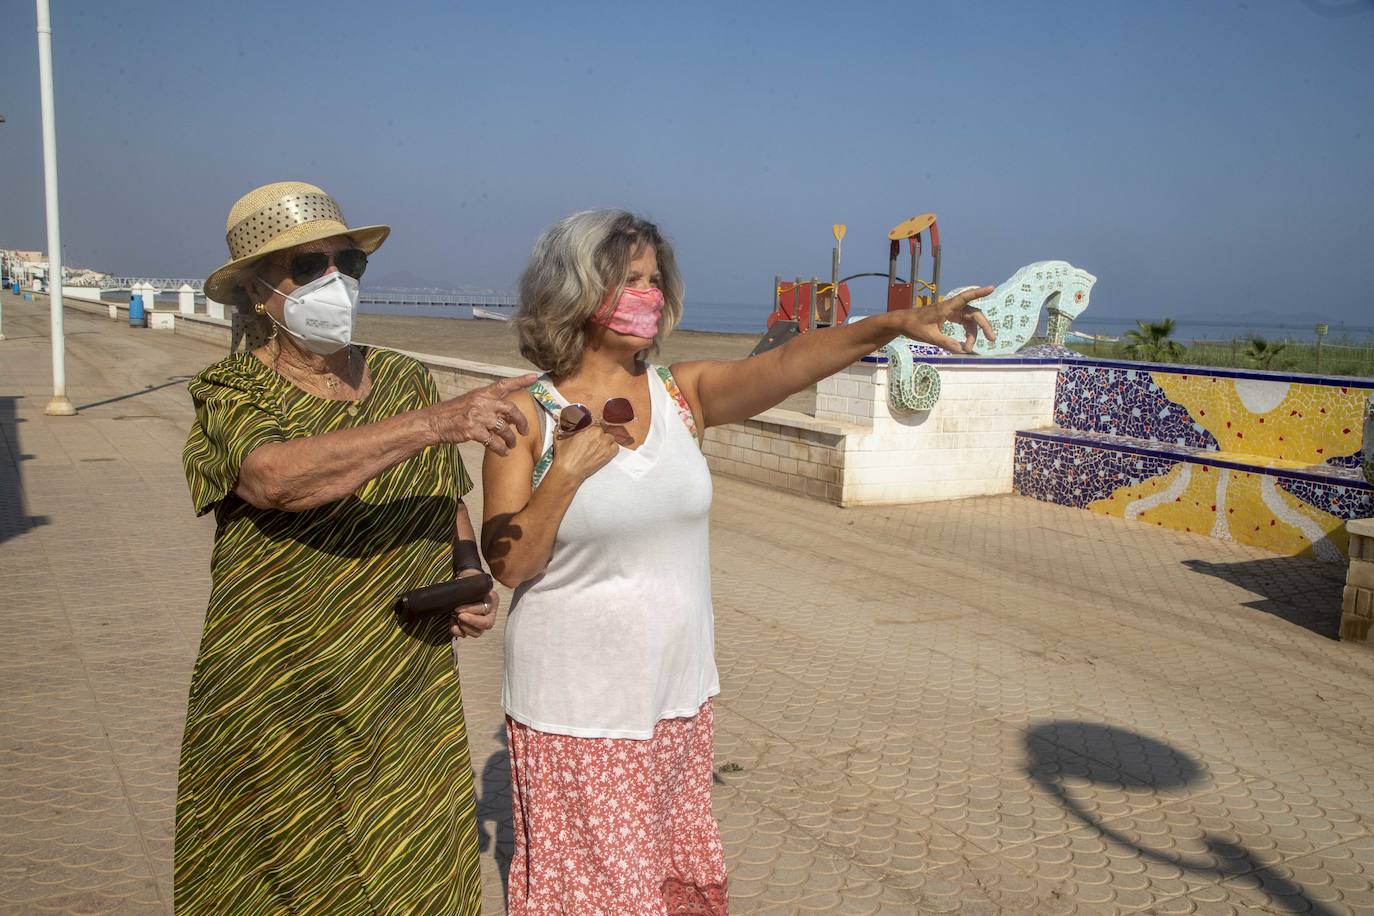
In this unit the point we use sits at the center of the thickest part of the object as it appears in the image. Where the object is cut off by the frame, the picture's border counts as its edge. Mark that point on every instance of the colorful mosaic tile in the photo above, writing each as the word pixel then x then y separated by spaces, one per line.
pixel 1066 474
pixel 1345 502
pixel 1124 402
pixel 1288 421
pixel 1284 513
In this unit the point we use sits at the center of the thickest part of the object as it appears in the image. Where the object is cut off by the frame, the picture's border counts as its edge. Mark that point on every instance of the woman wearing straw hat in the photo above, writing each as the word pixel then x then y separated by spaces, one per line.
pixel 324 765
pixel 599 518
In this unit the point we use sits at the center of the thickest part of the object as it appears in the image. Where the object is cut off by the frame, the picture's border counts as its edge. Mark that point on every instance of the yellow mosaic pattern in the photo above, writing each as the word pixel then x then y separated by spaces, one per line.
pixel 1233 505
pixel 1291 424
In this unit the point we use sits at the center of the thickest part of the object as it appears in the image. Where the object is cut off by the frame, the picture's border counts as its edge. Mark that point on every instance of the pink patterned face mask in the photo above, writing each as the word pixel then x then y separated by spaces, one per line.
pixel 636 314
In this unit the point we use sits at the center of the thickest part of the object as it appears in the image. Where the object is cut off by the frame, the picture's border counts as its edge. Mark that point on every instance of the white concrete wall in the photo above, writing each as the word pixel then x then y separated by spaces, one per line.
pixel 85 293
pixel 186 300
pixel 961 447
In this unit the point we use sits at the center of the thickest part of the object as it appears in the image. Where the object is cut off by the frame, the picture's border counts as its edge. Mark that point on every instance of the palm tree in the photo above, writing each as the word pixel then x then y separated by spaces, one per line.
pixel 1151 343
pixel 1263 352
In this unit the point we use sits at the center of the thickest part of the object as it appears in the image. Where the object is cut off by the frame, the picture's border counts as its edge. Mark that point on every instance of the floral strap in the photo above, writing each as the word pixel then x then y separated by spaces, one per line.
pixel 684 409
pixel 545 399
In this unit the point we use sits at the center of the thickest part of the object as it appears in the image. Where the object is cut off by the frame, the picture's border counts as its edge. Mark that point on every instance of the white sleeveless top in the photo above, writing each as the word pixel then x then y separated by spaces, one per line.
pixel 618 631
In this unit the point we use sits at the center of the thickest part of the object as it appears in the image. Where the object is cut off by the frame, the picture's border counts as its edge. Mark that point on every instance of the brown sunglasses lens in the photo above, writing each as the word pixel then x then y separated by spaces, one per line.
pixel 573 418
pixel 618 412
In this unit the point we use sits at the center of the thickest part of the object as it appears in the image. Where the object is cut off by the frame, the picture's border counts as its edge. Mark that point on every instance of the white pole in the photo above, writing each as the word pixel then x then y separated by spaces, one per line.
pixel 5 272
pixel 59 406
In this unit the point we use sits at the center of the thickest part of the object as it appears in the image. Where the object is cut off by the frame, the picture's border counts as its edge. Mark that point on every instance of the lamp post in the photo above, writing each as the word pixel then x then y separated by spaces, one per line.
pixel 58 405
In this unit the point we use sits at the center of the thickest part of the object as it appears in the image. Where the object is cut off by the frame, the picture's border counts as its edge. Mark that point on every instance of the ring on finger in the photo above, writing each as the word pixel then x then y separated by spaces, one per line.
pixel 500 425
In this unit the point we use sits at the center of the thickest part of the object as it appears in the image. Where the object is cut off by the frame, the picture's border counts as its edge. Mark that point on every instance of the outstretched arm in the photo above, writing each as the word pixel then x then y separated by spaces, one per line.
pixel 728 391
pixel 301 474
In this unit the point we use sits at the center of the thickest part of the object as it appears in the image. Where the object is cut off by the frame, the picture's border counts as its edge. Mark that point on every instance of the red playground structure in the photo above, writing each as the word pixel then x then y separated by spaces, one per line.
pixel 805 305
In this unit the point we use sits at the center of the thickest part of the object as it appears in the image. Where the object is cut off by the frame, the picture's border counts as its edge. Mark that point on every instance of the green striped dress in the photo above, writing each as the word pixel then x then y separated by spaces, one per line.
pixel 325 766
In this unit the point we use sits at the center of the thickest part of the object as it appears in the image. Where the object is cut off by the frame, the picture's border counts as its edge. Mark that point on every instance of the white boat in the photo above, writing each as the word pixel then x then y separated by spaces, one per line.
pixel 1082 337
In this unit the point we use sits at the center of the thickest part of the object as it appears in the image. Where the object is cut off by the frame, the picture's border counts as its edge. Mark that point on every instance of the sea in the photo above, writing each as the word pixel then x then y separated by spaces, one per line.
pixel 752 318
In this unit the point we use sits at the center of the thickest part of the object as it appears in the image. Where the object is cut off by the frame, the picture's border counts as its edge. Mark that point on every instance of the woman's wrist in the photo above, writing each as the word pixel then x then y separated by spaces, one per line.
pixel 426 427
pixel 466 556
pixel 886 327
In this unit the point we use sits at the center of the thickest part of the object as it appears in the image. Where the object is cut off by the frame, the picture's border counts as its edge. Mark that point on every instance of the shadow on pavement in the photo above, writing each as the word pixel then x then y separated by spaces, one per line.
pixel 14 521
pixel 1153 765
pixel 494 805
pixel 172 380
pixel 1300 590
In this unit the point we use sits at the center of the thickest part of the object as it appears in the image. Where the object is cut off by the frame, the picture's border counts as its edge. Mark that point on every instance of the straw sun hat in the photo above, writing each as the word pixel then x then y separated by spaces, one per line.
pixel 273 218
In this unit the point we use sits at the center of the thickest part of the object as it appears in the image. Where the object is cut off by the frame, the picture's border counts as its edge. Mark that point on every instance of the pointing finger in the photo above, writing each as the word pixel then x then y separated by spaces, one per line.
pixel 512 385
pixel 969 295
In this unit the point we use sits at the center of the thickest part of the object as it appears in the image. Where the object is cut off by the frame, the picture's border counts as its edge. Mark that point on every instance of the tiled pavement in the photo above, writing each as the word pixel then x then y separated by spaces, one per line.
pixel 983 706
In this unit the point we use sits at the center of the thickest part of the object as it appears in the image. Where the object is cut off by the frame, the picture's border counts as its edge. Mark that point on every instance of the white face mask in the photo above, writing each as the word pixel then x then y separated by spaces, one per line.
pixel 320 314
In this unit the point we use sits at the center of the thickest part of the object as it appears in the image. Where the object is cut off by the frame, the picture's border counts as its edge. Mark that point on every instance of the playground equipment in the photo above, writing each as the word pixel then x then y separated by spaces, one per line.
pixel 1013 308
pixel 907 295
pixel 802 306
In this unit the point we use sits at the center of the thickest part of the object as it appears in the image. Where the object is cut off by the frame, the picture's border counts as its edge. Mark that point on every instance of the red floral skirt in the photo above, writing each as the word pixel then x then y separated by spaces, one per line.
pixel 616 825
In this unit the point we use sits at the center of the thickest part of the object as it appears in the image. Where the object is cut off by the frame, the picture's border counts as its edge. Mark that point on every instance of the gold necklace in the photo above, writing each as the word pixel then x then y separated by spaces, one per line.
pixel 330 380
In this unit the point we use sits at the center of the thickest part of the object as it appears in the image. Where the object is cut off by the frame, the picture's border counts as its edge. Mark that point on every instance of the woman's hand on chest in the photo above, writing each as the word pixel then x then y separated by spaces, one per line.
pixel 583 453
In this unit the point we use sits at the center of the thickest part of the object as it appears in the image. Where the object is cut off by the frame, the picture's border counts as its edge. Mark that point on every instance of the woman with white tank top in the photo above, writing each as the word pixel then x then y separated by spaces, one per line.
pixel 597 513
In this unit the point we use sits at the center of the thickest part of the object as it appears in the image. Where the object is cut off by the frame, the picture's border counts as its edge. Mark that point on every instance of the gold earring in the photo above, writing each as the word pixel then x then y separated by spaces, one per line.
pixel 260 307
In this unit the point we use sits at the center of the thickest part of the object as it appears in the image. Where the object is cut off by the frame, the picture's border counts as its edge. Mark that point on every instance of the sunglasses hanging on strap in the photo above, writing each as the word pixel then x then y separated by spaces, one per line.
pixel 582 420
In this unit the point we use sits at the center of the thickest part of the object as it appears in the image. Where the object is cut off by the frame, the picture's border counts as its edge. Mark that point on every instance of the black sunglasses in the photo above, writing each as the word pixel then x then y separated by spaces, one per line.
pixel 312 265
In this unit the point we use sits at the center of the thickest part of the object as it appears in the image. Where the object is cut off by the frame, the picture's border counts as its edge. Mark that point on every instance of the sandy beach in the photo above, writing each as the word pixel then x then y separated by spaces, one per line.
pixel 495 342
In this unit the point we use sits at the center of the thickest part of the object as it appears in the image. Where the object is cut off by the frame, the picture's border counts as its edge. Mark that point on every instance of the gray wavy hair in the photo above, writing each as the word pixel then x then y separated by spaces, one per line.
pixel 575 265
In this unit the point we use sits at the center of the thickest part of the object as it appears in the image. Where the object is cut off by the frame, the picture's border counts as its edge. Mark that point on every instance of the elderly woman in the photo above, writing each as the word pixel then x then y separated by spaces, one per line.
pixel 598 517
pixel 324 766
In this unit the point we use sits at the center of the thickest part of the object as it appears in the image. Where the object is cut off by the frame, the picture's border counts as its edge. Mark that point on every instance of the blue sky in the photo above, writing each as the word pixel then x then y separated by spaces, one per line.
pixel 1201 158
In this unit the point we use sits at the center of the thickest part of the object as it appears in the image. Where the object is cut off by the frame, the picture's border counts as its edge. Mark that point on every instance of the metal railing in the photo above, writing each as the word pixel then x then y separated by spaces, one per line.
pixel 1293 356
pixel 420 297
pixel 164 284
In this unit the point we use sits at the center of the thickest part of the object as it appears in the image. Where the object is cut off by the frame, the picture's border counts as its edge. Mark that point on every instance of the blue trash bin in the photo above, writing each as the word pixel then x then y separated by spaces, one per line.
pixel 16 287
pixel 137 317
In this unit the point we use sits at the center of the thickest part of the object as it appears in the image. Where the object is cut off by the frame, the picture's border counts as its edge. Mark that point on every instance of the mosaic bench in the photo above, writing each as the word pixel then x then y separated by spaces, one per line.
pixel 1262 458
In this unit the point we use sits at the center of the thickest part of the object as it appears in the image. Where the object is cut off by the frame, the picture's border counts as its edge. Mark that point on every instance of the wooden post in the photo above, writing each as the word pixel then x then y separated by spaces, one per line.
pixel 835 286
pixel 1321 335
pixel 802 326
pixel 915 244
pixel 935 274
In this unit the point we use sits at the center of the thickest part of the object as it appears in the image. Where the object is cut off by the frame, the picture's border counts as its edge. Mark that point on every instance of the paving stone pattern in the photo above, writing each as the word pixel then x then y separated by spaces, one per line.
pixel 991 705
